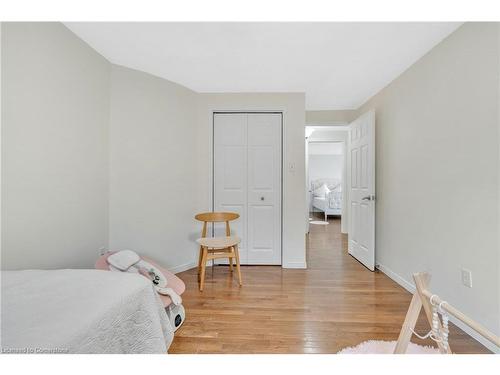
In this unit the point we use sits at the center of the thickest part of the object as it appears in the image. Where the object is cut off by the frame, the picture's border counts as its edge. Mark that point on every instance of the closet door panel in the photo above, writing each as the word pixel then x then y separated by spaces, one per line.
pixel 230 173
pixel 264 188
pixel 247 180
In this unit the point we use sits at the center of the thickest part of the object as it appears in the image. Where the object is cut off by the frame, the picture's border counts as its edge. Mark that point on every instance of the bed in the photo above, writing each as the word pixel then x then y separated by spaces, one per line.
pixel 81 311
pixel 330 203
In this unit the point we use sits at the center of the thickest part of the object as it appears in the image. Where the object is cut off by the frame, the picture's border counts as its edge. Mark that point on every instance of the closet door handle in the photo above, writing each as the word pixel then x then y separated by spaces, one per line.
pixel 368 198
pixel 261 198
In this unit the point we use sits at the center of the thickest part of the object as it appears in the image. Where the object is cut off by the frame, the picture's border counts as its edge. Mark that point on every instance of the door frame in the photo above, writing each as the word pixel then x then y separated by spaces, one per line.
pixel 282 166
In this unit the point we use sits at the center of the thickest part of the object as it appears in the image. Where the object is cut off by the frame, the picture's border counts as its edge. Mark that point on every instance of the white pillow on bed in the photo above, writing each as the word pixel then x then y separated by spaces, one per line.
pixel 322 191
pixel 334 186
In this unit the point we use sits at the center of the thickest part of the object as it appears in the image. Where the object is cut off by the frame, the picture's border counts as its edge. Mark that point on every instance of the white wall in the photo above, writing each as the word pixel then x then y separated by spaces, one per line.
pixel 55 110
pixel 294 206
pixel 325 166
pixel 438 171
pixel 153 168
pixel 330 117
pixel 1 150
pixel 498 179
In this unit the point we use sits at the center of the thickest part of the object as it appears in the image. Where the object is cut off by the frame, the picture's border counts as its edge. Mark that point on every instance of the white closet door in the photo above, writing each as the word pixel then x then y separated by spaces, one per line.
pixel 247 180
pixel 230 173
pixel 264 189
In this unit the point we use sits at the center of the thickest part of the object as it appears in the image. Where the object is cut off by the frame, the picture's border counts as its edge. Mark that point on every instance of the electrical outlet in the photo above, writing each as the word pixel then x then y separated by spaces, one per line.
pixel 467 278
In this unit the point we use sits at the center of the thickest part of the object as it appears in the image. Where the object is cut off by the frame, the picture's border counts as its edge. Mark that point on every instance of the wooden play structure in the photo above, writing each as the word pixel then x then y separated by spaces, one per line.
pixel 434 306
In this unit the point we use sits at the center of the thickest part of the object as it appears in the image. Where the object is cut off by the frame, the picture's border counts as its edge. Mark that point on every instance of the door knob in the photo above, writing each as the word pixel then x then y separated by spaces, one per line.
pixel 261 198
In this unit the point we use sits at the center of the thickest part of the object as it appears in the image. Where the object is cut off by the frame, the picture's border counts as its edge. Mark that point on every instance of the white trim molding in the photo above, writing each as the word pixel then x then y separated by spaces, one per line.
pixel 295 265
pixel 183 267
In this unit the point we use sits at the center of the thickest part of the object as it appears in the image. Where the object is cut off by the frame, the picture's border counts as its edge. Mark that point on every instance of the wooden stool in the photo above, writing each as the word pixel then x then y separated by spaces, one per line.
pixel 217 247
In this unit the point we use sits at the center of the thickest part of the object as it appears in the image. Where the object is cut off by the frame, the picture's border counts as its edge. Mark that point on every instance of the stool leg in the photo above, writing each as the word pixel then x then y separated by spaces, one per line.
pixel 237 255
pixel 199 261
pixel 203 267
pixel 231 259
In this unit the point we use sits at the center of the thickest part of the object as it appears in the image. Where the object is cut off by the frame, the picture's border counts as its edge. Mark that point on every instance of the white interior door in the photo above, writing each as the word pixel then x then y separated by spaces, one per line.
pixel 308 188
pixel 247 180
pixel 361 180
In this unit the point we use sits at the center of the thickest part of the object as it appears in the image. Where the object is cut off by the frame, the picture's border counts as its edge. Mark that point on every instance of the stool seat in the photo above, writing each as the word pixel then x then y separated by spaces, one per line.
pixel 218 242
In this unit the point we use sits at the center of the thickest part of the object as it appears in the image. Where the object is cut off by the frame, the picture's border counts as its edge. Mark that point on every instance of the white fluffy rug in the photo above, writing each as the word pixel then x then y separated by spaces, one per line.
pixel 386 347
pixel 318 222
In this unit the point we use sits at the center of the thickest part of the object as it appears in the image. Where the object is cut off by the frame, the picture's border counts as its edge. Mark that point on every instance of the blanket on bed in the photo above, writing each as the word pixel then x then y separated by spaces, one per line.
pixel 81 311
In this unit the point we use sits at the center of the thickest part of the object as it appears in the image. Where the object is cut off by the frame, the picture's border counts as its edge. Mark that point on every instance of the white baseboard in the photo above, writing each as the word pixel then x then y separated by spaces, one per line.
pixel 183 267
pixel 397 278
pixel 296 265
pixel 411 288
pixel 188 266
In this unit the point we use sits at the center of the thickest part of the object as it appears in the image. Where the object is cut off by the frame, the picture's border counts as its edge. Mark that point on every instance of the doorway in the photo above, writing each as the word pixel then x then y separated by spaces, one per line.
pixel 326 174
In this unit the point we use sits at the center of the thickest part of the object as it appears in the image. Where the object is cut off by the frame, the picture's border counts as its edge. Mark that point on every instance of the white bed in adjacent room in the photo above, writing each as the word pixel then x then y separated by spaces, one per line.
pixel 82 311
pixel 327 196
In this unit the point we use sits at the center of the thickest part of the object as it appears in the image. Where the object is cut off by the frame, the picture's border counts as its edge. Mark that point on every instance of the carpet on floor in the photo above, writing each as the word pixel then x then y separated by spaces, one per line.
pixel 386 347
pixel 318 222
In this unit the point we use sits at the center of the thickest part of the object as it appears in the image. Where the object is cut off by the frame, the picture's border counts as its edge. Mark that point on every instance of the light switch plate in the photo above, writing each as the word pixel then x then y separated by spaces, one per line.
pixel 467 278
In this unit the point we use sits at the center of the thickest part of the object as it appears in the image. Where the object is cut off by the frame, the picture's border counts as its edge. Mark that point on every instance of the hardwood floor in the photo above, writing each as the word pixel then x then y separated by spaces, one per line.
pixel 333 304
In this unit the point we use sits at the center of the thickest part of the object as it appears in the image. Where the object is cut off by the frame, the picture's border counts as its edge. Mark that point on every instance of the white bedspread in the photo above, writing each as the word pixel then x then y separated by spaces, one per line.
pixel 81 311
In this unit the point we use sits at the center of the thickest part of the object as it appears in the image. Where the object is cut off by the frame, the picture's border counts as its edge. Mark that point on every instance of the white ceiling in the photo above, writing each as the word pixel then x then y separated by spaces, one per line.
pixel 337 65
